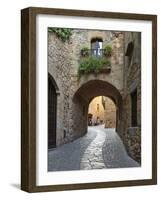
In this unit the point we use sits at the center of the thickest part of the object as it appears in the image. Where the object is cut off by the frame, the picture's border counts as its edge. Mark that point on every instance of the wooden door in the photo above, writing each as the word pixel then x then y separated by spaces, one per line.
pixel 134 108
pixel 52 101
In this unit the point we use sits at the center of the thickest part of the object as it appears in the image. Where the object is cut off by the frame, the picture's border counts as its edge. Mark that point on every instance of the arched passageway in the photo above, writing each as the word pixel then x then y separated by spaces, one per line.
pixel 99 147
pixel 52 107
pixel 92 89
pixel 102 110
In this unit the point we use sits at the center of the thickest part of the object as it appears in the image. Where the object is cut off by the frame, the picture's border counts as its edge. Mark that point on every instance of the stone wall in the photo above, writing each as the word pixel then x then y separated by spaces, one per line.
pixel 63 63
pixel 116 40
pixel 132 82
pixel 59 66
pixel 110 113
pixel 125 77
pixel 97 110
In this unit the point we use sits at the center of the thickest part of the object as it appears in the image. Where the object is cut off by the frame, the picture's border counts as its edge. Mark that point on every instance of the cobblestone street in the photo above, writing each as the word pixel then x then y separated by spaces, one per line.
pixel 99 148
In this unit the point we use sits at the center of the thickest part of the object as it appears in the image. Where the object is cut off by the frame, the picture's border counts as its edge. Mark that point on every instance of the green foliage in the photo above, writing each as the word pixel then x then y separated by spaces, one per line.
pixel 93 64
pixel 85 51
pixel 62 33
pixel 108 51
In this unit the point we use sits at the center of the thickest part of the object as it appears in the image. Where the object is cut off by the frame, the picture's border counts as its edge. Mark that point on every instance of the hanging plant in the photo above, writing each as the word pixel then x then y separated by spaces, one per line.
pixel 93 64
pixel 62 33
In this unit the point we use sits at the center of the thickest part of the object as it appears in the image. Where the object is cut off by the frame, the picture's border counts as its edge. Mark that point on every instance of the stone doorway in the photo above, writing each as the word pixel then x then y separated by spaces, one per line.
pixel 52 109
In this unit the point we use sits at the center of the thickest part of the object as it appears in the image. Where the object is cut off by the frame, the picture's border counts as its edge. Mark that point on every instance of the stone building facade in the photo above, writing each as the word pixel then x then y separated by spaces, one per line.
pixel 97 110
pixel 74 92
pixel 110 113
pixel 103 111
pixel 132 94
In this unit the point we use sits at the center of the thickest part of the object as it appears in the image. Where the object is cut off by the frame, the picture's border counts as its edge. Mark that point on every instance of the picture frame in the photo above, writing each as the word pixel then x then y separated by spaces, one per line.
pixel 29 91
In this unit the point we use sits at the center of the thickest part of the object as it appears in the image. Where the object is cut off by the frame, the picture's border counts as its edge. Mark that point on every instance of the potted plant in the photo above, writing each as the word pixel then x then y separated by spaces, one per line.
pixel 93 64
pixel 108 51
pixel 85 51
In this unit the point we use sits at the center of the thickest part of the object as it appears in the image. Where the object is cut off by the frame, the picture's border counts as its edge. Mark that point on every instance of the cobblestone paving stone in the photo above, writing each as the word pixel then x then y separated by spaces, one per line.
pixel 99 148
pixel 114 152
pixel 92 157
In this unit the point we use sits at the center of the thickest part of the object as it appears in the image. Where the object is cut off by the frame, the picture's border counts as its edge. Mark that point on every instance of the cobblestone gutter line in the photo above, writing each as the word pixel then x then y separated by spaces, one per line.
pixel 92 157
pixel 99 148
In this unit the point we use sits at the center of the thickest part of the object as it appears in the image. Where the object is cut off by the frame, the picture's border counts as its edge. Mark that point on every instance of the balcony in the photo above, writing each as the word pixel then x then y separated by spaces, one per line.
pixel 95 61
pixel 95 52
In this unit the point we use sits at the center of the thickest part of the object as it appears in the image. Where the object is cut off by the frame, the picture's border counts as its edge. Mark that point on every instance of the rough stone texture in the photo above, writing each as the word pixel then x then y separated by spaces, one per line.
pixel 59 67
pixel 63 63
pixel 132 81
pixel 125 76
pixel 110 113
pixel 133 139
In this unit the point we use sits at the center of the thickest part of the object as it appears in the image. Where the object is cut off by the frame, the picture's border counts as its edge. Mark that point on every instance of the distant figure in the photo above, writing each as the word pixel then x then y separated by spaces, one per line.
pixel 90 122
pixel 90 119
pixel 97 122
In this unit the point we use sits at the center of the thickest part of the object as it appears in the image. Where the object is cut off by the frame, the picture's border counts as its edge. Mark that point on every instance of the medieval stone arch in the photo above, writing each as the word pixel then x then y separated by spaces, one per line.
pixel 93 88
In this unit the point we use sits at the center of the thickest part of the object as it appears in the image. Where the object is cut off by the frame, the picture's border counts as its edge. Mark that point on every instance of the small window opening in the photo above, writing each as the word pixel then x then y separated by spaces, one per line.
pixel 129 52
pixel 96 47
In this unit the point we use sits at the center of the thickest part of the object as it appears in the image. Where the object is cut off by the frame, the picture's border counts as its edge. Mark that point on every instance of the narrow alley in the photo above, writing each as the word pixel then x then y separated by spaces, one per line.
pixel 99 148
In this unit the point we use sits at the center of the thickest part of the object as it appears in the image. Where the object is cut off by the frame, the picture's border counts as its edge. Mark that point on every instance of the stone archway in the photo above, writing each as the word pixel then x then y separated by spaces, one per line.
pixel 86 93
pixel 52 110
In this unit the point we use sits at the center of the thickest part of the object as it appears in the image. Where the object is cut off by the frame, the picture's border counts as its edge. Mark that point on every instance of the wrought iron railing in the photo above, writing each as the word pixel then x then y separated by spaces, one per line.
pixel 93 52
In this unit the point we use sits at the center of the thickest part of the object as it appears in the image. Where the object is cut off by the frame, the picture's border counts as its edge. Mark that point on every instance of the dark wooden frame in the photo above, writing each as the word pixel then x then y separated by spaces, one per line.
pixel 28 98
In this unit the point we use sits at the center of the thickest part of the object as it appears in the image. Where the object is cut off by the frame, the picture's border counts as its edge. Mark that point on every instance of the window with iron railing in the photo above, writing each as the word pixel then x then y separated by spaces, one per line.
pixel 96 47
pixel 93 52
pixel 96 59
